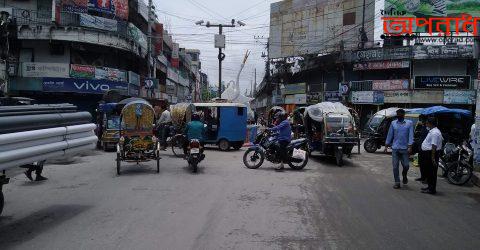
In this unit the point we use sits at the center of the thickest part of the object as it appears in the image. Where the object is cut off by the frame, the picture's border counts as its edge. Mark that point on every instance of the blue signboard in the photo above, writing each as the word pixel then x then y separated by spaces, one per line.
pixel 133 90
pixel 79 85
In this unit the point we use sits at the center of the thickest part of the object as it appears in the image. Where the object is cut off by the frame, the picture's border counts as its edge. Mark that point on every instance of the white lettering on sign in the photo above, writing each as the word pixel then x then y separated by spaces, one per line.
pixel 91 86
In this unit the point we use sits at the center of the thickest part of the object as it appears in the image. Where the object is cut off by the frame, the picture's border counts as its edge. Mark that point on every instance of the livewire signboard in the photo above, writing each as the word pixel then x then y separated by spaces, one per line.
pixel 79 85
pixel 442 82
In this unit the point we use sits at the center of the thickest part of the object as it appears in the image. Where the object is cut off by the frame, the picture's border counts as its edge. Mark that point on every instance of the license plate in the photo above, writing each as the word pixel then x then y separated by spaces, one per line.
pixel 194 151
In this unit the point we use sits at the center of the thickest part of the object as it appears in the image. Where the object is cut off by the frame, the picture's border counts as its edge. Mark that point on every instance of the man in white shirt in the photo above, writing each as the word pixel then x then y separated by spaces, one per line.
pixel 431 147
pixel 165 121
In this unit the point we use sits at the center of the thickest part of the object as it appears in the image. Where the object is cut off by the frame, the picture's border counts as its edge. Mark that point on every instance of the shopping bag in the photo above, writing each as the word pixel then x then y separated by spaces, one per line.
pixel 299 154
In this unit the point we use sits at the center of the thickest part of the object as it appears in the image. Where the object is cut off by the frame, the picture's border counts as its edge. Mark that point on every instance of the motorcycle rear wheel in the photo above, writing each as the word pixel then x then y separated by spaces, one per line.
pixel 253 158
pixel 458 174
pixel 293 165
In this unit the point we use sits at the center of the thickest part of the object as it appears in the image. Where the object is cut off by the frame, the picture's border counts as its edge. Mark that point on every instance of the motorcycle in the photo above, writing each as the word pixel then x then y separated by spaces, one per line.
pixel 264 148
pixel 457 163
pixel 194 154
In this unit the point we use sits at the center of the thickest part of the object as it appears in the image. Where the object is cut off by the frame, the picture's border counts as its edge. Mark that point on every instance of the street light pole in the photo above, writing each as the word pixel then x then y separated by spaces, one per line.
pixel 221 56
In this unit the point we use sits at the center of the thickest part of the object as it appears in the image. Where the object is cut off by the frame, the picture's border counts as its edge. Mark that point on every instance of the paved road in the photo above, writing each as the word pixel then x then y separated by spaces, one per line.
pixel 85 205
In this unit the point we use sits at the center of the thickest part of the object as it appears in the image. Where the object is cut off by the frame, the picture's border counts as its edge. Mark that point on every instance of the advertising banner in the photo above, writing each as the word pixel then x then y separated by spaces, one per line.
pixel 459 97
pixel 104 6
pixel 443 51
pixel 314 97
pixel 91 86
pixel 442 82
pixel 427 97
pixel 137 36
pixel 296 88
pixel 333 96
pixel 381 65
pixel 133 78
pixel 36 69
pixel 110 74
pixel 82 71
pixel 390 84
pixel 300 99
pixel 367 97
pixel 399 96
pixel 98 22
pixel 75 6
pixel 121 9
pixel 381 54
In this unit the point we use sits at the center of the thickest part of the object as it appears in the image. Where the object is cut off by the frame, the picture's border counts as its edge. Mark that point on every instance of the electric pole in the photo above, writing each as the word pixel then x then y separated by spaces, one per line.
pixel 363 35
pixel 149 40
pixel 220 44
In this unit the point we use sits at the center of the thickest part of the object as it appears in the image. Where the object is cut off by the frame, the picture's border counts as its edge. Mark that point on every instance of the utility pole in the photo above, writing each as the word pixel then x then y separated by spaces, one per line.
pixel 149 40
pixel 363 36
pixel 220 44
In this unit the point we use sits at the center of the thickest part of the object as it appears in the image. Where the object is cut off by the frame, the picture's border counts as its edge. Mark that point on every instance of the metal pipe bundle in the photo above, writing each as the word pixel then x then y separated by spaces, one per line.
pixel 11 124
pixel 29 146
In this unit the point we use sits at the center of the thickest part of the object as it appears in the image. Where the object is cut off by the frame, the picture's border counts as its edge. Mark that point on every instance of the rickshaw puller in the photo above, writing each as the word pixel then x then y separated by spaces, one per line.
pixel 283 137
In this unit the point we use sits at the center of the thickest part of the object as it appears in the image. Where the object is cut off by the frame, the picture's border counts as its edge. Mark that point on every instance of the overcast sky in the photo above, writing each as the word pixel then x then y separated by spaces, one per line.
pixel 179 17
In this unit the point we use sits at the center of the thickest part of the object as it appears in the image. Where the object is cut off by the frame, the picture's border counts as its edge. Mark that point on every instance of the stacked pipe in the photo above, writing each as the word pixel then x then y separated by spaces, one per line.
pixel 40 132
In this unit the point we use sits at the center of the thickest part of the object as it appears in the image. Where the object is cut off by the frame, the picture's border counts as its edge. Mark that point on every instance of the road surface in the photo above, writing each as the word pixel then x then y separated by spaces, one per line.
pixel 84 205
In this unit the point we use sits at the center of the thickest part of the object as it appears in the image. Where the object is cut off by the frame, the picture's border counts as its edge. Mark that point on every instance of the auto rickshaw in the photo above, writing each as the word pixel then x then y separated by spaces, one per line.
pixel 137 141
pixel 331 130
pixel 376 129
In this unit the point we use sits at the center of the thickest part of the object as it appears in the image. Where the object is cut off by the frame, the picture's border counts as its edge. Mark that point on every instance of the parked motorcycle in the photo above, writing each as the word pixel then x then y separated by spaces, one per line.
pixel 457 163
pixel 194 154
pixel 265 148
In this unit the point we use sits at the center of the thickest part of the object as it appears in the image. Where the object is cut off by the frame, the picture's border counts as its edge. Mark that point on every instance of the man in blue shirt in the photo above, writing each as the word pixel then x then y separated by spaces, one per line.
pixel 400 139
pixel 283 138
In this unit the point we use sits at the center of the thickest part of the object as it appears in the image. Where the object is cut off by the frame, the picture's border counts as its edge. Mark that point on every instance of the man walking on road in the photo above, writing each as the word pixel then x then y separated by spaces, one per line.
pixel 422 134
pixel 431 147
pixel 400 139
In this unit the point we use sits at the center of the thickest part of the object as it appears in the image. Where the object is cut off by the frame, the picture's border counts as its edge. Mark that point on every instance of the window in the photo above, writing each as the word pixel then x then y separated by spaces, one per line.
pixel 349 18
pixel 240 111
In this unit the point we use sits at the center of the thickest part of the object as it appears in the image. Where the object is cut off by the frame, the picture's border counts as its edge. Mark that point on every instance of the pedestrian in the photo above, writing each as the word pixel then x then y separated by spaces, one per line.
pixel 422 134
pixel 431 147
pixel 400 139
pixel 164 122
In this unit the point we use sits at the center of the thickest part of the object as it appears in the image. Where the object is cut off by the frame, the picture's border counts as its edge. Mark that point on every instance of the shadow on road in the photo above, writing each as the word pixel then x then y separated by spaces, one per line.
pixel 140 169
pixel 27 228
pixel 329 161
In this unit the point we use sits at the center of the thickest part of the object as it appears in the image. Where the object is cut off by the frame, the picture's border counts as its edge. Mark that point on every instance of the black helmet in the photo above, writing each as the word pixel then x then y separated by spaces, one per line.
pixel 281 115
pixel 195 117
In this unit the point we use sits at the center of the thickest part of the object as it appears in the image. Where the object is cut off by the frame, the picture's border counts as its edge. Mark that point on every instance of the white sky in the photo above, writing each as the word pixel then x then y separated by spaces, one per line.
pixel 179 17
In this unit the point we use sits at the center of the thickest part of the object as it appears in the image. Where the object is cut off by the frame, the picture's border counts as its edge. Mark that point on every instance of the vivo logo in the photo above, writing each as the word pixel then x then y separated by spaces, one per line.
pixel 92 86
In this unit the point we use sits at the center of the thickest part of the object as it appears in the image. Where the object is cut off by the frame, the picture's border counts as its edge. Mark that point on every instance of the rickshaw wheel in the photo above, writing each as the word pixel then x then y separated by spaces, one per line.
pixel 177 145
pixel 158 162
pixel 118 164
pixel 224 145
pixel 370 146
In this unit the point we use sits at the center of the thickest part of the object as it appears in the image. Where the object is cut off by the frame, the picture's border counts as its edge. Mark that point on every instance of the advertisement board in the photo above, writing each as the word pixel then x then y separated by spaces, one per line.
pixel 137 35
pixel 121 9
pixel 104 6
pixel 170 87
pixel 98 22
pixel 459 97
pixel 37 69
pixel 75 6
pixel 289 99
pixel 78 85
pixel 110 74
pixel 332 96
pixel 399 96
pixel 314 97
pixel 133 78
pixel 82 71
pixel 367 97
pixel 442 82
pixel 443 51
pixel 390 84
pixel 300 99
pixel 427 97
pixel 380 54
pixel 295 88
pixel 381 65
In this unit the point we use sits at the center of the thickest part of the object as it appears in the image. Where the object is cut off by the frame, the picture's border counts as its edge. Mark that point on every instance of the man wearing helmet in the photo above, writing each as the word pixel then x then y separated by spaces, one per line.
pixel 195 129
pixel 284 136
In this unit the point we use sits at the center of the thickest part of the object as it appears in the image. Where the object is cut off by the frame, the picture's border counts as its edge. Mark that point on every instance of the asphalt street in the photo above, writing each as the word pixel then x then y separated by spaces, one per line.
pixel 84 205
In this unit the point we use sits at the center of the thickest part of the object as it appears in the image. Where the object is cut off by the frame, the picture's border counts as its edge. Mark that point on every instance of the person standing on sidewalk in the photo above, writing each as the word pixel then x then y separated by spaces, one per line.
pixel 431 147
pixel 422 134
pixel 400 139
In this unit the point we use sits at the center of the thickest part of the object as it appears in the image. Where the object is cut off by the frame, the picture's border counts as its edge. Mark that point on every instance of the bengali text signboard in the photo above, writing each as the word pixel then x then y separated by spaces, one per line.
pixel 443 51
pixel 458 96
pixel 390 84
pixel 82 71
pixel 37 69
pixel 367 97
pixel 381 65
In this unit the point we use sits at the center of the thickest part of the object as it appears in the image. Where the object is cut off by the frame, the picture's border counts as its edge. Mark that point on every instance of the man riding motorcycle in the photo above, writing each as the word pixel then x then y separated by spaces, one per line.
pixel 195 129
pixel 283 137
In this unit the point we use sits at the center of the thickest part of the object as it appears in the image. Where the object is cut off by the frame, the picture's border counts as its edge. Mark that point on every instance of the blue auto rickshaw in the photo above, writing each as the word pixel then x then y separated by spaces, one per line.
pixel 226 124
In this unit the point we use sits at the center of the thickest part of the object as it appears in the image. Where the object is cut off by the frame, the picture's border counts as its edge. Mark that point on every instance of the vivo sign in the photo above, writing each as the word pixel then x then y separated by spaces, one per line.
pixel 92 86
pixel 442 82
